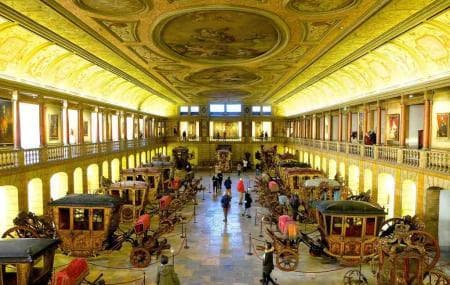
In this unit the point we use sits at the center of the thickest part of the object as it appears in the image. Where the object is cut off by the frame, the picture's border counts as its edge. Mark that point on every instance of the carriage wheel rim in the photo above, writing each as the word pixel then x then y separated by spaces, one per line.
pixel 140 257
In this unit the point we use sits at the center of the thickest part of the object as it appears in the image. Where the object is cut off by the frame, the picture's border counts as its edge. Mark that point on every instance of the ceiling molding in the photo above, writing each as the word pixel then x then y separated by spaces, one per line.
pixel 40 30
pixel 411 22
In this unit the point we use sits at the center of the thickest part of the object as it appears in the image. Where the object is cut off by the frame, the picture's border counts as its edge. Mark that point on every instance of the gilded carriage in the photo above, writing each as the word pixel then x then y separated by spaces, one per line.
pixel 134 196
pixel 25 254
pixel 223 161
pixel 165 167
pixel 85 222
pixel 150 175
pixel 349 229
pixel 295 177
pixel 324 189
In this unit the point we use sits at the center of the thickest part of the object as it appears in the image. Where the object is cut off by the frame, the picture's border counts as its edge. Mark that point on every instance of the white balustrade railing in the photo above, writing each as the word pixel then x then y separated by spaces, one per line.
pixel 368 151
pixel 387 153
pixel 354 149
pixel 332 146
pixel 411 157
pixel 438 161
pixel 341 147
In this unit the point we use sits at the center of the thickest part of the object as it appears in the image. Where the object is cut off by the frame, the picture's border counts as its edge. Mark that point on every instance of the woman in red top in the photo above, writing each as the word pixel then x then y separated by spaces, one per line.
pixel 241 189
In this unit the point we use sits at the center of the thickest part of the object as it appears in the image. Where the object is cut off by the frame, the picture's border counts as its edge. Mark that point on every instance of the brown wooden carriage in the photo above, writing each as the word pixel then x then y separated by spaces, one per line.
pixel 133 195
pixel 349 229
pixel 25 256
pixel 166 170
pixel 150 175
pixel 295 177
pixel 84 222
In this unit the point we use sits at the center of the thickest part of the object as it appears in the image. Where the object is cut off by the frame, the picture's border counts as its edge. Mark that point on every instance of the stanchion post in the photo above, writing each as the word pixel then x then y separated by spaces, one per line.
pixel 144 277
pixel 250 244
pixel 256 214
pixel 260 228
pixel 186 241
pixel 195 216
pixel 203 193
pixel 182 230
pixel 173 256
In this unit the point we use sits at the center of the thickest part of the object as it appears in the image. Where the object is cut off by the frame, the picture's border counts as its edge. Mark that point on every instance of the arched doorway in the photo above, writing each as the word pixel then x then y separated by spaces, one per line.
pixel 317 162
pixel 138 159
pixel 78 180
pixel 324 164
pixel 105 170
pixel 115 170
pixel 124 162
pixel 35 198
pixel 353 178
pixel 9 206
pixel 143 157
pixel 305 157
pixel 92 178
pixel 58 185
pixel 409 197
pixel 342 170
pixel 332 168
pixel 131 161
pixel 386 190
pixel 367 180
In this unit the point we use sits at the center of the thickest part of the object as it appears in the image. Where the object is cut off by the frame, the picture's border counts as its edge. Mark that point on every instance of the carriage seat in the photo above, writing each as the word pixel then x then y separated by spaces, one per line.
pixel 73 274
pixel 283 221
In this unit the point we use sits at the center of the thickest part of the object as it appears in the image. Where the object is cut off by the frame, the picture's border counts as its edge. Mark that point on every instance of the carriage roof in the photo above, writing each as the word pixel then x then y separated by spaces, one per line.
pixel 146 169
pixel 292 163
pixel 316 182
pixel 24 250
pixel 350 208
pixel 299 170
pixel 87 200
pixel 129 184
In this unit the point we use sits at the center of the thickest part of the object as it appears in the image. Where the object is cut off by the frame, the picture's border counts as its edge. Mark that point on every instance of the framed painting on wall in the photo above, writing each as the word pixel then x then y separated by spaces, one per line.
pixel 53 128
pixel 6 123
pixel 442 125
pixel 85 128
pixel 393 127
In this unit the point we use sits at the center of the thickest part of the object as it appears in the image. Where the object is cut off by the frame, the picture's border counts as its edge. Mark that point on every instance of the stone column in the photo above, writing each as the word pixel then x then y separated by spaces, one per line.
pixel 80 125
pixel 97 111
pixel 42 127
pixel 340 126
pixel 16 118
pixel 330 126
pixel 124 127
pixel 322 127
pixel 70 181
pixel 378 123
pixel 402 128
pixel 349 126
pixel 427 120
pixel 66 135
pixel 366 119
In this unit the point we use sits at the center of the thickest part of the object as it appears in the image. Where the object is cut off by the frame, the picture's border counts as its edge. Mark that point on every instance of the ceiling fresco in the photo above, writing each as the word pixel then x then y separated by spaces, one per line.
pixel 194 51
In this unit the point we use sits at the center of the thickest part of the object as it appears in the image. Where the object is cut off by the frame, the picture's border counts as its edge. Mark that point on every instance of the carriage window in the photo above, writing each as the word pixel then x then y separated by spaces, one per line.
pixel 115 193
pixel 296 186
pixel 129 178
pixel 353 227
pixel 64 218
pixel 151 182
pixel 97 220
pixel 328 224
pixel 138 197
pixel 81 219
pixel 140 178
pixel 126 196
pixel 306 178
pixel 337 226
pixel 370 226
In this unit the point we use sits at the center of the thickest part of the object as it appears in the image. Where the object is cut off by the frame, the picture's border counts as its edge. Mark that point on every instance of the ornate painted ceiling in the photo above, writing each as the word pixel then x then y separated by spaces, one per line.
pixel 299 55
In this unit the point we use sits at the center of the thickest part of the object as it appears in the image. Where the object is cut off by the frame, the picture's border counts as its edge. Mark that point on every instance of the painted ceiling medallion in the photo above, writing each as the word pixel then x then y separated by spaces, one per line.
pixel 219 35
pixel 223 76
pixel 221 94
pixel 112 7
pixel 322 6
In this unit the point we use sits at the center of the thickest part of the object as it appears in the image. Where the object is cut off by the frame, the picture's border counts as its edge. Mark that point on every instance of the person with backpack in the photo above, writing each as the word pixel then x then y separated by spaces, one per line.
pixel 227 184
pixel 247 204
pixel 166 273
pixel 226 204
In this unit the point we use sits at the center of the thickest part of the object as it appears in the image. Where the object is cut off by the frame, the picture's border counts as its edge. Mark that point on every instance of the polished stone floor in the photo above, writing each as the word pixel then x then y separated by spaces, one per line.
pixel 217 252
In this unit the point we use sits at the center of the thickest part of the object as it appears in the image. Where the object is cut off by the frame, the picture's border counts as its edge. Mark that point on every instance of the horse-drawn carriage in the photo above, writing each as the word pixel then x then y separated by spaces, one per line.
pixel 149 175
pixel 268 159
pixel 134 196
pixel 183 168
pixel 223 161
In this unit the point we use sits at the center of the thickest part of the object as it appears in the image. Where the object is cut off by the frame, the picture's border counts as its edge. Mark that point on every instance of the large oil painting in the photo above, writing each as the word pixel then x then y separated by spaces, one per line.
pixel 223 76
pixel 226 130
pixel 6 123
pixel 442 125
pixel 53 128
pixel 393 127
pixel 221 35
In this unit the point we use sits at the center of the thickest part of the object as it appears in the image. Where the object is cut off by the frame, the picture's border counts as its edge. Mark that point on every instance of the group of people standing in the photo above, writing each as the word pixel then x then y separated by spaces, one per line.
pixel 244 198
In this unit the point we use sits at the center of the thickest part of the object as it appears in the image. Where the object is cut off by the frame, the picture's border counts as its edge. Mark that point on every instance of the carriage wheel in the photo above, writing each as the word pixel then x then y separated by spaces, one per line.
pixel 175 204
pixel 166 226
pixel 432 250
pixel 388 226
pixel 140 257
pixel 20 232
pixel 287 260
pixel 353 277
pixel 436 277
pixel 127 214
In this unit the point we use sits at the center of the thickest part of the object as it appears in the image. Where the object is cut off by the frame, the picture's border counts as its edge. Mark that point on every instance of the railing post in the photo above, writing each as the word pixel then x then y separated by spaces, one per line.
pixel 400 155
pixel 362 150
pixel 43 154
pixel 347 148
pixel 375 152
pixel 20 158
pixel 423 158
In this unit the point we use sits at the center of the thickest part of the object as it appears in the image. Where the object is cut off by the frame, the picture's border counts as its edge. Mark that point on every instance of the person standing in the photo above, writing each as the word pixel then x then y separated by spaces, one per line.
pixel 268 264
pixel 227 183
pixel 239 169
pixel 226 204
pixel 220 180
pixel 184 136
pixel 244 164
pixel 166 273
pixel 215 184
pixel 248 204
pixel 294 202
pixel 241 189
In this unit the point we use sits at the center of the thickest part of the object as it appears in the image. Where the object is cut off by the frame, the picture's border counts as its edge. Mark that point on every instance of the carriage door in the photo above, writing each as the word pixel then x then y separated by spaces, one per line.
pixel 81 234
pixel 444 220
pixel 98 228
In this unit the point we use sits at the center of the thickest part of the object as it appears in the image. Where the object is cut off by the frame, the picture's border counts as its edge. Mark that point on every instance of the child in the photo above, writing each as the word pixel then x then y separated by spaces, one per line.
pixel 248 204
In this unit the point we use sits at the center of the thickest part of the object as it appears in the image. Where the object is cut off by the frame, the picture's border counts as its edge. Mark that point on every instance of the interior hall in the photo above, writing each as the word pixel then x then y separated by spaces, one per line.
pixel 224 142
